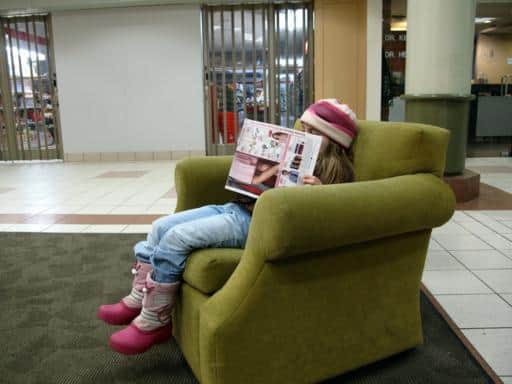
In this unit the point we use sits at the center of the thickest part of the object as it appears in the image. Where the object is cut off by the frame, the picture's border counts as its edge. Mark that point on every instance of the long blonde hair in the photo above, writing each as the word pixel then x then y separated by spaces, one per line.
pixel 334 165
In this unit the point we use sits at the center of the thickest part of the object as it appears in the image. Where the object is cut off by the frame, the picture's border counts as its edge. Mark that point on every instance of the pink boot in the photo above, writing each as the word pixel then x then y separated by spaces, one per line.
pixel 129 307
pixel 153 325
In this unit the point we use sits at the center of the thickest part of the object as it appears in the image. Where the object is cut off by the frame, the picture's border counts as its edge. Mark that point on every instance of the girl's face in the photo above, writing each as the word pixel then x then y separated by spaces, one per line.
pixel 310 129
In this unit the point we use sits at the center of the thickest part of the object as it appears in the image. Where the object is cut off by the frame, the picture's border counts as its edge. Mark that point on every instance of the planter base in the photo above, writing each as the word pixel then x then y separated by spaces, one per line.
pixel 466 187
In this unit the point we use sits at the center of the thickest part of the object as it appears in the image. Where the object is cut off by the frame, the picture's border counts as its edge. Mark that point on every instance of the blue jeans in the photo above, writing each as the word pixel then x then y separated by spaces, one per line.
pixel 174 237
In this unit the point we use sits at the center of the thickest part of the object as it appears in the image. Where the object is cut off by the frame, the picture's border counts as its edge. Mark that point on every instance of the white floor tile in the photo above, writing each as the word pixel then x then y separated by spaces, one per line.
pixel 497 241
pixel 478 215
pixel 161 210
pixel 28 209
pixel 476 228
pixel 495 346
pixel 119 195
pixel 453 282
pixel 461 217
pixel 497 226
pixel 499 280
pixel 477 311
pixel 434 245
pixel 105 228
pixel 506 379
pixel 95 209
pixel 507 297
pixel 442 260
pixel 507 236
pixel 129 210
pixel 83 199
pixel 142 199
pixel 66 228
pixel 26 228
pixel 450 228
pixel 143 229
pixel 63 209
pixel 460 242
pixel 499 215
pixel 483 259
pixel 170 202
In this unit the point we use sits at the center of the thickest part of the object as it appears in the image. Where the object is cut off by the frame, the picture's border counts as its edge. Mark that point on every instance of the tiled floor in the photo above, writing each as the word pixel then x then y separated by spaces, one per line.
pixel 468 268
pixel 47 196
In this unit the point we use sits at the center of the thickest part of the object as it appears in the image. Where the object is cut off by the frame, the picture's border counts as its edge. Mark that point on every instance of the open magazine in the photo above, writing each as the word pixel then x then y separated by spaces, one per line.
pixel 269 156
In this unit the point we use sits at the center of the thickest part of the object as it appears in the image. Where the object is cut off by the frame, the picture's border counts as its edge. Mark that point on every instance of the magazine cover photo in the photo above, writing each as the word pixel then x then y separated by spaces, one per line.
pixel 269 156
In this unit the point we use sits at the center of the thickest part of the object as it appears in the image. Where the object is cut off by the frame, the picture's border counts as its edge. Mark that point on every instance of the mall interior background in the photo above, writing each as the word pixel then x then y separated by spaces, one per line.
pixel 132 79
pixel 490 127
pixel 108 85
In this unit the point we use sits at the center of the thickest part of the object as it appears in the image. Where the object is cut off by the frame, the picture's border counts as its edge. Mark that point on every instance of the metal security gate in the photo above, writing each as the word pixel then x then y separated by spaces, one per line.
pixel 29 123
pixel 258 64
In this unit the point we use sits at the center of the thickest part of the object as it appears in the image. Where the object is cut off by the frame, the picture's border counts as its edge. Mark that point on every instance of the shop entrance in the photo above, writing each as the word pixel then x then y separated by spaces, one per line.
pixel 258 64
pixel 29 123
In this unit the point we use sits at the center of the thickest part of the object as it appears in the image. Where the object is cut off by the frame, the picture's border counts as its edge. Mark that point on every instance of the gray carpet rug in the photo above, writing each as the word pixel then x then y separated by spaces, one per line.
pixel 52 284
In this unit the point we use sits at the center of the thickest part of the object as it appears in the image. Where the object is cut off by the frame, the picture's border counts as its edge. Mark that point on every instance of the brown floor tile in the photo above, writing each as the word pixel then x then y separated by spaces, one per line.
pixel 12 218
pixel 144 219
pixel 43 219
pixel 77 219
pixel 122 174
pixel 490 198
pixel 107 219
pixel 491 169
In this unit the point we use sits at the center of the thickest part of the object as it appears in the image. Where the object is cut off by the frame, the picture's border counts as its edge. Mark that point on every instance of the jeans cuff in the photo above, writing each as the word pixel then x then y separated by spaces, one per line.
pixel 165 278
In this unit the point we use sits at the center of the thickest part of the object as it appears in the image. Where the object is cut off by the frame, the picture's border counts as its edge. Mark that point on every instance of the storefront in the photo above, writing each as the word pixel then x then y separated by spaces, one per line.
pixel 258 65
pixel 29 122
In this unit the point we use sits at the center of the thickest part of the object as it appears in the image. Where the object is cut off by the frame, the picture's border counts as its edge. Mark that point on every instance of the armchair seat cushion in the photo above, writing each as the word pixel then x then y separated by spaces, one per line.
pixel 208 269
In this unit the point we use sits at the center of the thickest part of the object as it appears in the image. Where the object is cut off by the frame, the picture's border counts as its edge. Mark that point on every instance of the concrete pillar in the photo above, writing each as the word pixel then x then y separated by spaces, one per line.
pixel 440 37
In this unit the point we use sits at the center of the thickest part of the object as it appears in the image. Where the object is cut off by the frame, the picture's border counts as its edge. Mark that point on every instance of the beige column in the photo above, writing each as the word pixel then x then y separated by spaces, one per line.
pixel 440 37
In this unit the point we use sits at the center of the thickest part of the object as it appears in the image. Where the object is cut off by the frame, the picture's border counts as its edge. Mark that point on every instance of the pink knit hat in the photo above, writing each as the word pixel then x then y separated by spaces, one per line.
pixel 334 119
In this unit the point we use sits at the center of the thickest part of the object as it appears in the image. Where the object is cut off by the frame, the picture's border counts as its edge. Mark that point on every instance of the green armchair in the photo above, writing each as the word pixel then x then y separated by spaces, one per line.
pixel 329 279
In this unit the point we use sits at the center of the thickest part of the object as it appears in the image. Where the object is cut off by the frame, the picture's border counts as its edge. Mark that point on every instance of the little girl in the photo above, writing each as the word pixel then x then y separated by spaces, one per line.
pixel 161 258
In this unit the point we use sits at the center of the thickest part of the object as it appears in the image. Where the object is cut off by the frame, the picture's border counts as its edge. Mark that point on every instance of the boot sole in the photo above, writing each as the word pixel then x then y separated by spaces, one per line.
pixel 126 321
pixel 127 350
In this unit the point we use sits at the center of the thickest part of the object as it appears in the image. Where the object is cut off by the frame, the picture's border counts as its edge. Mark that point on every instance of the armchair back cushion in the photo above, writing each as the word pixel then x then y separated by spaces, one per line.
pixel 391 149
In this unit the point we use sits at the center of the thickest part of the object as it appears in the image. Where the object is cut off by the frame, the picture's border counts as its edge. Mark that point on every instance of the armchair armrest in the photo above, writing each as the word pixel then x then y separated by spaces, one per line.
pixel 294 221
pixel 200 181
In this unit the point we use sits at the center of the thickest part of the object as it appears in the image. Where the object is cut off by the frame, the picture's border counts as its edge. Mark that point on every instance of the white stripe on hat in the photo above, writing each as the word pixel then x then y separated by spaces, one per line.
pixel 321 125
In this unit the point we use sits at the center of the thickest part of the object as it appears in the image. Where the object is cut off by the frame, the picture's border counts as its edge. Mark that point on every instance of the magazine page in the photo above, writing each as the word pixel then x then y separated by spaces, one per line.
pixel 300 159
pixel 269 156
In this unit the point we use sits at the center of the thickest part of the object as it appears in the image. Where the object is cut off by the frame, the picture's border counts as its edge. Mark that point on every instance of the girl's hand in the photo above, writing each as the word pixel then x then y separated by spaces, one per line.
pixel 311 180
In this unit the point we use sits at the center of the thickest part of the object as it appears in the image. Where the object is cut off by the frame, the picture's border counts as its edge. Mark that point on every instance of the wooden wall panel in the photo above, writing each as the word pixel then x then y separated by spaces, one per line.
pixel 340 52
